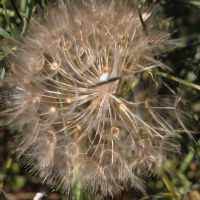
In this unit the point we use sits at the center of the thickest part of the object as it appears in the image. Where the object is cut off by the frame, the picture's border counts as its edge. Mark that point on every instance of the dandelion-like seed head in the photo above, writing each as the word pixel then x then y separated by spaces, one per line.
pixel 84 88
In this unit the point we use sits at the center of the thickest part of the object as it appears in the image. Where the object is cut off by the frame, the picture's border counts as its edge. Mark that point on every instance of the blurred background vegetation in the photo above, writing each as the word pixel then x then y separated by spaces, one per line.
pixel 183 19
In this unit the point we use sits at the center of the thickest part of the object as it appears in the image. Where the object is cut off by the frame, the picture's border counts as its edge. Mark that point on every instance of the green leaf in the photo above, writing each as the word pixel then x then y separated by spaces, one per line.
pixel 4 33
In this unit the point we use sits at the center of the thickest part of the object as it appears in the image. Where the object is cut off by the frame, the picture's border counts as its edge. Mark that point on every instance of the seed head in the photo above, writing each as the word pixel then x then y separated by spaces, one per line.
pixel 84 88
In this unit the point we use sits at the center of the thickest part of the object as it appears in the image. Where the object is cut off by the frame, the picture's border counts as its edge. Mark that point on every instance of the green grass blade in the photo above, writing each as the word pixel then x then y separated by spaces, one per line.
pixel 16 10
pixel 28 15
pixel 23 6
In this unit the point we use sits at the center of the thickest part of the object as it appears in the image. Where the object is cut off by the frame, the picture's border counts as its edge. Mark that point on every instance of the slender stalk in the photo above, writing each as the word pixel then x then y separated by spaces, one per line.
pixel 169 185
pixel 1 190
pixel 193 63
pixel 28 15
pixel 16 10
pixel 140 17
pixel 178 80
pixel 77 191
pixel 7 18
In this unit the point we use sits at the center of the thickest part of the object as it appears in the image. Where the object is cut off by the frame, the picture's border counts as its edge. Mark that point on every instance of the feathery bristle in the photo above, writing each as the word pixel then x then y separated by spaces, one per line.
pixel 102 135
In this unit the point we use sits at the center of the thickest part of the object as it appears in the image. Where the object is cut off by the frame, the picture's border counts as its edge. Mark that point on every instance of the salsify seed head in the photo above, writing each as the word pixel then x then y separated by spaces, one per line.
pixel 82 84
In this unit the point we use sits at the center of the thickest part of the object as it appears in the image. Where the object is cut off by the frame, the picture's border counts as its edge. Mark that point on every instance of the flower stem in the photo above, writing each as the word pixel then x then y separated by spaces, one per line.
pixel 178 80
pixel 169 185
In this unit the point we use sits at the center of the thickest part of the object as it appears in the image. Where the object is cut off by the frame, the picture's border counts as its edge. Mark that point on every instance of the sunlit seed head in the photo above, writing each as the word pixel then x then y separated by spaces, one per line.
pixel 115 131
pixel 52 109
pixel 124 70
pixel 69 100
pixel 94 103
pixel 39 67
pixel 51 132
pixel 36 100
pixel 52 135
pixel 26 80
pixel 54 66
pixel 106 69
pixel 104 77
pixel 78 127
pixel 122 106
pixel 78 132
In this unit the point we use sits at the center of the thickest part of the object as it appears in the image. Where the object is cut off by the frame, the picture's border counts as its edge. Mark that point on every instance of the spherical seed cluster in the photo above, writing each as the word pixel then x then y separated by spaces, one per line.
pixel 82 85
